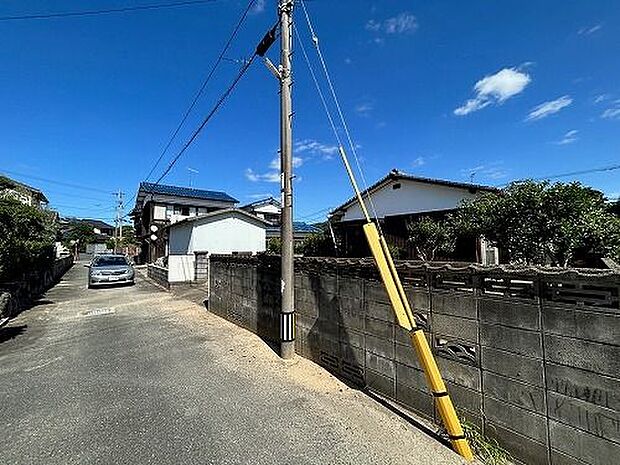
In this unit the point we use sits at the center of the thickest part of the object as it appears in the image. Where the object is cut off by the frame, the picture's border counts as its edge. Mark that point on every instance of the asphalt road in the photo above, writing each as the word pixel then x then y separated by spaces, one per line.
pixel 133 375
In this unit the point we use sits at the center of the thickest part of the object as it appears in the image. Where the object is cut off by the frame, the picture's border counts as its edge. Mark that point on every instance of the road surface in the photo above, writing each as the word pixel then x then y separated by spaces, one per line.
pixel 133 375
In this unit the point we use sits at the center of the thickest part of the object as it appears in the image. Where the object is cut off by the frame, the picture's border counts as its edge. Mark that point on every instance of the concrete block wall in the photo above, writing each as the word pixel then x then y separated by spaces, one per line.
pixel 159 274
pixel 530 356
pixel 17 295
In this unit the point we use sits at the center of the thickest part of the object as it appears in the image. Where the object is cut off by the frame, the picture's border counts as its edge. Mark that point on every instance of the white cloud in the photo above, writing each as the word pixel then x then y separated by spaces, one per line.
pixel 313 147
pixel 373 25
pixel 260 196
pixel 601 98
pixel 275 163
pixel 402 23
pixel 364 109
pixel 493 171
pixel 420 161
pixel 549 108
pixel 495 89
pixel 569 137
pixel 586 31
pixel 259 7
pixel 272 176
pixel 611 113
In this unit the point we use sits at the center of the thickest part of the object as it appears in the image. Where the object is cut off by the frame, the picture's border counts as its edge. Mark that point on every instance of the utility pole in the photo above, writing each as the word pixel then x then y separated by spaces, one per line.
pixel 119 220
pixel 287 316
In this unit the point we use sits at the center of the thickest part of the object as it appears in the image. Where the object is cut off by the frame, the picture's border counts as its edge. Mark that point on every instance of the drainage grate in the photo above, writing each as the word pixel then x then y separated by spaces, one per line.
pixel 98 311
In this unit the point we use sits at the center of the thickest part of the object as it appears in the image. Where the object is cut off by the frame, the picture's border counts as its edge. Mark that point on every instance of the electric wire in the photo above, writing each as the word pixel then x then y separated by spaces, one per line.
pixel 345 126
pixel 127 9
pixel 586 171
pixel 217 106
pixel 572 173
pixel 206 81
pixel 60 183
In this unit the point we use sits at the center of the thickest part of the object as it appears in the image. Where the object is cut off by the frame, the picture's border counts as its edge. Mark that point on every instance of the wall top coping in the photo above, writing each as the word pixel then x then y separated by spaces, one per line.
pixel 531 272
pixel 158 267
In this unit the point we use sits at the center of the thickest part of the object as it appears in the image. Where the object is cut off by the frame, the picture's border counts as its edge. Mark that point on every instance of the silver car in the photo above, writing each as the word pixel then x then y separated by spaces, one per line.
pixel 110 269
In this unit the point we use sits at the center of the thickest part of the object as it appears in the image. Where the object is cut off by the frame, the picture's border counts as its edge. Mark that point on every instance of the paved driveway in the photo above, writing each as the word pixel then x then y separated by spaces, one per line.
pixel 133 375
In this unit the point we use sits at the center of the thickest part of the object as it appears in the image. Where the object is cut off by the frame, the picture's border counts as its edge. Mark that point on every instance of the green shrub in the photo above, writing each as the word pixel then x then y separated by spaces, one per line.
pixel 27 236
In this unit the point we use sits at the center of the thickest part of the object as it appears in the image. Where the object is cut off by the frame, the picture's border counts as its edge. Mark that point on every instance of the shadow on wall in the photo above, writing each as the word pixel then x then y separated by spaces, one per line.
pixel 331 339
pixel 268 301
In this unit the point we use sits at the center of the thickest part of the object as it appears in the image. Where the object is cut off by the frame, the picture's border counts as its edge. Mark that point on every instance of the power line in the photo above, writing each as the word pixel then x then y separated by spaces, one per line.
pixel 318 213
pixel 203 86
pixel 218 104
pixel 343 121
pixel 588 171
pixel 127 9
pixel 60 183
pixel 572 173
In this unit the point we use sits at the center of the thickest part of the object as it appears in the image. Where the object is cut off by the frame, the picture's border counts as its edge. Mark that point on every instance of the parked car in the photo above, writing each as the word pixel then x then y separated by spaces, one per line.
pixel 110 269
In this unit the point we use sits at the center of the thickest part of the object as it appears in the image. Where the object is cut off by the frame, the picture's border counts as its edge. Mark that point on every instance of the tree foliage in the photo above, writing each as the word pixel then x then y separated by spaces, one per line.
pixel 274 246
pixel 543 223
pixel 318 244
pixel 78 231
pixel 27 236
pixel 429 237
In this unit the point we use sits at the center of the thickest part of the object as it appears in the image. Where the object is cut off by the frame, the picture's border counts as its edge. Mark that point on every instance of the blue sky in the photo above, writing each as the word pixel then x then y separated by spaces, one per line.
pixel 503 90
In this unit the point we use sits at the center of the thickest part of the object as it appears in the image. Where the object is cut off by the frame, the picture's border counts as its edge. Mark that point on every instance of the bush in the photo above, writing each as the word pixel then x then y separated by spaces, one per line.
pixel 539 223
pixel 319 244
pixel 27 236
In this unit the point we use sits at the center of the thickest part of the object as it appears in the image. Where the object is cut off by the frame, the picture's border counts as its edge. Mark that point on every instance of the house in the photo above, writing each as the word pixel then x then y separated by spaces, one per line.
pixel 301 231
pixel 399 197
pixel 158 206
pixel 100 227
pixel 103 233
pixel 225 231
pixel 22 192
pixel 270 209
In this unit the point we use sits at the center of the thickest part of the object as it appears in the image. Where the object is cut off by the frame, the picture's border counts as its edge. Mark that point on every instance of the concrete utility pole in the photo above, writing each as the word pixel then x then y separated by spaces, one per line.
pixel 287 316
pixel 119 220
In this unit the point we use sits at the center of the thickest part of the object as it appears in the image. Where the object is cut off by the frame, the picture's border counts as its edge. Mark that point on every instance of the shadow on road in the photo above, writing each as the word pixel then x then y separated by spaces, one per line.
pixel 10 332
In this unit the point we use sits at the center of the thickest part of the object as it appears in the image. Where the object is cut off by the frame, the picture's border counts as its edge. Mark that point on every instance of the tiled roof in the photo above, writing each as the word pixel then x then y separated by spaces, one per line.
pixel 96 223
pixel 302 227
pixel 258 203
pixel 189 192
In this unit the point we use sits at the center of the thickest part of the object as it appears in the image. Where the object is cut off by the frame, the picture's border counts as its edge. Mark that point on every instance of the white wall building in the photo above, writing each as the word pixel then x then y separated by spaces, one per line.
pixel 398 198
pixel 221 232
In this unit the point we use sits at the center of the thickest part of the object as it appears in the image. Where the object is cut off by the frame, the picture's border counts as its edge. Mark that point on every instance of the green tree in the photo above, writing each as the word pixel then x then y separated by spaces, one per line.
pixel 27 236
pixel 318 244
pixel 429 237
pixel 543 223
pixel 78 231
pixel 274 246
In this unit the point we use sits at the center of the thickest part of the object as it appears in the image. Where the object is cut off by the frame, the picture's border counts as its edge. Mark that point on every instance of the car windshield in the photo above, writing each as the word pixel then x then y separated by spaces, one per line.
pixel 110 261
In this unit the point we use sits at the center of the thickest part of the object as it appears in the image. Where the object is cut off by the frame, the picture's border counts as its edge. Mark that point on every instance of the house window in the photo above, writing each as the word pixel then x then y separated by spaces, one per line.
pixel 185 211
pixel 396 186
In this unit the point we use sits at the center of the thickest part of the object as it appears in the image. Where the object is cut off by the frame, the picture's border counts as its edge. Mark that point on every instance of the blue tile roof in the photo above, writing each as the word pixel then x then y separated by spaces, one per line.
pixel 299 226
pixel 149 187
